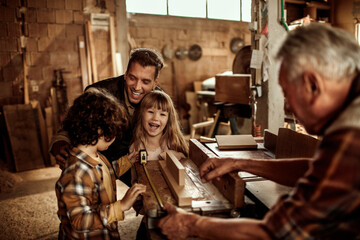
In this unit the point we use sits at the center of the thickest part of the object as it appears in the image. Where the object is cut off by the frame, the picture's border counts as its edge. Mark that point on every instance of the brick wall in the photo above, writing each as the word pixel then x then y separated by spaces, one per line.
pixel 213 36
pixel 51 29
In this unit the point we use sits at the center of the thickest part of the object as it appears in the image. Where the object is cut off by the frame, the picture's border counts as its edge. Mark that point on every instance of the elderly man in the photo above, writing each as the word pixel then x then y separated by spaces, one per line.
pixel 319 75
pixel 141 77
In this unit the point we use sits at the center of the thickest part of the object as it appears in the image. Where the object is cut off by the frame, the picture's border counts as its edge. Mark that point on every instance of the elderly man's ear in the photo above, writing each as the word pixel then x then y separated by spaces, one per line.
pixel 313 85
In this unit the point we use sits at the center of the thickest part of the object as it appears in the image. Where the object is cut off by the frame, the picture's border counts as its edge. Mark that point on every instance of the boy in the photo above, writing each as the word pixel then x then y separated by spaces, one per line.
pixel 86 189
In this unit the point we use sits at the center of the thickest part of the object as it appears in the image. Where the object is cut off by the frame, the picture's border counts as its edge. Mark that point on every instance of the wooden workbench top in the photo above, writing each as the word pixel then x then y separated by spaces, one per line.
pixel 200 191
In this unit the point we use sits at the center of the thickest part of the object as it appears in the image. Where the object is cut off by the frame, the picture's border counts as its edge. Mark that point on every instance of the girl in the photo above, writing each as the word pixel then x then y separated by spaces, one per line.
pixel 157 128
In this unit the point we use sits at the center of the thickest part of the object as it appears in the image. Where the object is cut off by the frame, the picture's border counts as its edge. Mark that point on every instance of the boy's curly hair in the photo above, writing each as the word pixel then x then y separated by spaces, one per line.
pixel 94 114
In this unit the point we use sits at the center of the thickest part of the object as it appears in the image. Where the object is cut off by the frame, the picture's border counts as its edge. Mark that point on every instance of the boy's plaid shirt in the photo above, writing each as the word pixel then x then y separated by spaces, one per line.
pixel 82 200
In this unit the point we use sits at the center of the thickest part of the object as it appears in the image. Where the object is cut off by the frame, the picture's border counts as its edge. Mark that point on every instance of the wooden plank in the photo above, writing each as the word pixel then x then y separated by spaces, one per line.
pixel 83 64
pixel 150 203
pixel 234 88
pixel 198 153
pixel 21 127
pixel 42 130
pixel 291 144
pixel 88 58
pixel 112 45
pixel 182 194
pixel 251 153
pixel 229 142
pixel 92 53
pixel 176 169
pixel 270 141
pixel 26 82
pixel 230 185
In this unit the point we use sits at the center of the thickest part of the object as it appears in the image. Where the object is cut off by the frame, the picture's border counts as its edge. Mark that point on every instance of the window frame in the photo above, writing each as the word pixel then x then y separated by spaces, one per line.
pixel 206 15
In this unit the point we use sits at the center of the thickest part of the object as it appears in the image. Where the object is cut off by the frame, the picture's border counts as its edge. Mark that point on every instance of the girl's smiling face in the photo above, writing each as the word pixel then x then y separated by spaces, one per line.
pixel 154 121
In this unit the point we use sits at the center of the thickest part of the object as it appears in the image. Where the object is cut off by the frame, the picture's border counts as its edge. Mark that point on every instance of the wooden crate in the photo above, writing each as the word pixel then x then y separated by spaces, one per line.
pixel 234 88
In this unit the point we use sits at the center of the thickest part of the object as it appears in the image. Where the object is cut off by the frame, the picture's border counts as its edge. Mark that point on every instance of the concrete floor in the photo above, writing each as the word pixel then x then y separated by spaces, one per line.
pixel 29 210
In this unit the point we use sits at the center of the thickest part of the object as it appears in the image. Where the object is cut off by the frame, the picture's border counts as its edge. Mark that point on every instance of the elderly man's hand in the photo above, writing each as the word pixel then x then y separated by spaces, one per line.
pixel 215 168
pixel 177 224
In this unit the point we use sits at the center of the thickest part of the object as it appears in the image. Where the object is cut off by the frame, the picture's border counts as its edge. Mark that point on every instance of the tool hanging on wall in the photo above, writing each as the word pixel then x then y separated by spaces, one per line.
pixel 195 52
pixel 61 94
pixel 236 44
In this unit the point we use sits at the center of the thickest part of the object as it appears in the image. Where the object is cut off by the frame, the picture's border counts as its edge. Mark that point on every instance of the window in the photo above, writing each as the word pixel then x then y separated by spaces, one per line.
pixel 234 10
pixel 187 8
pixel 157 7
pixel 225 9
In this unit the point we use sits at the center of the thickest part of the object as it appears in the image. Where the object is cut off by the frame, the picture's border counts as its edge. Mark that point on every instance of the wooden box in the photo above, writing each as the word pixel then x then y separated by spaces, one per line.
pixel 233 88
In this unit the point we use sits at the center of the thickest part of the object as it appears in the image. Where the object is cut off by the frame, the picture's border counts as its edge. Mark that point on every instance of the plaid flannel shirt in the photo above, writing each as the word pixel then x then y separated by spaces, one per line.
pixel 83 204
pixel 326 202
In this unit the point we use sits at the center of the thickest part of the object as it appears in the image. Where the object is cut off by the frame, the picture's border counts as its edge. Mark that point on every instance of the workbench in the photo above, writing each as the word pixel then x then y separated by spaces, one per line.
pixel 203 194
pixel 258 189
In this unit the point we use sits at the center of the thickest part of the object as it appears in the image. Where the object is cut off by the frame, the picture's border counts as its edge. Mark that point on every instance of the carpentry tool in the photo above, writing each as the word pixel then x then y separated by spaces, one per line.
pixel 143 161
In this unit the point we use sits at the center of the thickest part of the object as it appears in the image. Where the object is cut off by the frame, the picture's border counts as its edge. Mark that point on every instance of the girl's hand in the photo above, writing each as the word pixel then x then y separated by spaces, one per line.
pixel 131 196
pixel 133 156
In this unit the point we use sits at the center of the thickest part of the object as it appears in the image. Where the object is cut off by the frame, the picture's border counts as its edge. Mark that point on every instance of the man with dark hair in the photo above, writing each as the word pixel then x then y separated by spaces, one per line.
pixel 141 77
pixel 320 78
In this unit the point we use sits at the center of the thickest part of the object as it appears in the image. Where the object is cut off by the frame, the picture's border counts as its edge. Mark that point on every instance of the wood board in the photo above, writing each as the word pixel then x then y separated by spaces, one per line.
pixel 22 130
pixel 203 192
pixel 42 132
pixel 176 169
pixel 230 185
pixel 291 144
pixel 230 142
pixel 234 88
pixel 182 194
pixel 83 62
pixel 270 140
pixel 150 204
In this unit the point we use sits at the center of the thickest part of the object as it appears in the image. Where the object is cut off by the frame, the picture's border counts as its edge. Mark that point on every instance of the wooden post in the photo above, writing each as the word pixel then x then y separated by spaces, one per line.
pixel 92 53
pixel 84 70
pixel 112 45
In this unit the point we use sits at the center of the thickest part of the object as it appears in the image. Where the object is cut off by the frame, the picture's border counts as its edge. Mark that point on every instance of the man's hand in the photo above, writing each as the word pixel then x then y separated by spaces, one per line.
pixel 133 156
pixel 215 168
pixel 177 223
pixel 131 195
pixel 60 150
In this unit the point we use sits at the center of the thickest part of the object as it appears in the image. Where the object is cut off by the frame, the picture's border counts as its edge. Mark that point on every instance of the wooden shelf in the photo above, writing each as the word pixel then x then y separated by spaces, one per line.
pixel 319 5
pixel 317 10
pixel 296 1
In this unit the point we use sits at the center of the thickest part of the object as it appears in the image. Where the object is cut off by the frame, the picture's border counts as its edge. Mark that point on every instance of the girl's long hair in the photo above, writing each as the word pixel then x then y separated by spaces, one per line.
pixel 172 134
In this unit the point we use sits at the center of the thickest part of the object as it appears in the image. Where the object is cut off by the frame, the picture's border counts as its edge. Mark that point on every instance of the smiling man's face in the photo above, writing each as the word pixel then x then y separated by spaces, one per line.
pixel 139 81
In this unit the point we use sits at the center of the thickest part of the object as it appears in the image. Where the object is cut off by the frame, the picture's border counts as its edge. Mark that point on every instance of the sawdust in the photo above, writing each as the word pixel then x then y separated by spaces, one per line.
pixel 28 208
pixel 8 181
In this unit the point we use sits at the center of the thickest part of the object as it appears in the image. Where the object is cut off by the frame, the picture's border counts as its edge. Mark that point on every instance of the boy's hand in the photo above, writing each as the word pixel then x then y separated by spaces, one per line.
pixel 131 196
pixel 60 150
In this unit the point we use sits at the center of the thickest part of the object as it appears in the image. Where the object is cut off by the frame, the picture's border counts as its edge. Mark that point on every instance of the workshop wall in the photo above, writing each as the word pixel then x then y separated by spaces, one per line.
pixel 50 30
pixel 213 36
